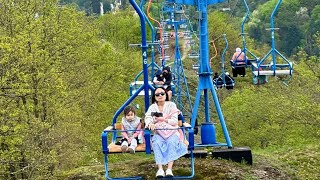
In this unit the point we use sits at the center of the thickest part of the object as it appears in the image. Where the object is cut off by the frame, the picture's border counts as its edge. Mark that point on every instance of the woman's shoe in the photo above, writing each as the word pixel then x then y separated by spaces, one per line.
pixel 160 173
pixel 169 173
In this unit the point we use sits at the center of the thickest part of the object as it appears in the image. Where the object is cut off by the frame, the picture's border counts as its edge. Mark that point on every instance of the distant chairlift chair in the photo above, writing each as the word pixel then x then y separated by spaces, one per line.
pixel 261 70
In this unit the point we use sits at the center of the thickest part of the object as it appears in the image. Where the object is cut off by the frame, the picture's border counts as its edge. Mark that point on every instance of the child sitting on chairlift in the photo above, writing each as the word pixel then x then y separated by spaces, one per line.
pixel 131 127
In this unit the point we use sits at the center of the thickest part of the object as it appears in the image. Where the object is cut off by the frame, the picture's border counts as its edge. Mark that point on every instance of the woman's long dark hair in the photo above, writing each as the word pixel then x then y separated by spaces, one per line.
pixel 153 99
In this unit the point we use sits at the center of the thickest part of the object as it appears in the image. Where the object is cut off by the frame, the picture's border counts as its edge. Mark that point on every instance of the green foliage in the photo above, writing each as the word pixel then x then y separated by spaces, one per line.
pixel 56 76
pixel 121 29
pixel 301 160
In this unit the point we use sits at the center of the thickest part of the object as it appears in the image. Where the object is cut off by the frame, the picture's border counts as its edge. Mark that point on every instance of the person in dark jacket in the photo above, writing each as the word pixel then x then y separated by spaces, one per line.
pixel 166 73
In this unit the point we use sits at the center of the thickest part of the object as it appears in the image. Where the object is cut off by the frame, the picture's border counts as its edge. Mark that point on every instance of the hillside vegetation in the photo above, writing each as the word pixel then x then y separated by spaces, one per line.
pixel 64 74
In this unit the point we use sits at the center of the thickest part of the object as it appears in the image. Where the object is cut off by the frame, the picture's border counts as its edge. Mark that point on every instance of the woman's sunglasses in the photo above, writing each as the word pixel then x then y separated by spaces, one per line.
pixel 158 94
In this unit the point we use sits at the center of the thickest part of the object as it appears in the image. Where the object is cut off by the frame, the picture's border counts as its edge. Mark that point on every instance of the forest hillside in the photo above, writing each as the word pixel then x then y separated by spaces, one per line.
pixel 64 72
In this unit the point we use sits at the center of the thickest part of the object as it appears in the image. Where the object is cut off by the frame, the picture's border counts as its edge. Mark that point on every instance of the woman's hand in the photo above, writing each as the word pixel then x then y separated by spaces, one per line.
pixel 151 126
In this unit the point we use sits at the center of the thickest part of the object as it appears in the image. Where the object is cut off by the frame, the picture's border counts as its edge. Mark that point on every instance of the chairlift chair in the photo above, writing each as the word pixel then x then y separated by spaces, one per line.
pixel 224 81
pixel 263 69
pixel 109 148
pixel 134 86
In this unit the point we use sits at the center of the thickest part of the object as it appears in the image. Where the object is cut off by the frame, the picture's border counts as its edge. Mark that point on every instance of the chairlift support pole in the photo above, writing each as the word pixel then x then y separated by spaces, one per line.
pixel 242 32
pixel 205 81
pixel 146 86
pixel 273 43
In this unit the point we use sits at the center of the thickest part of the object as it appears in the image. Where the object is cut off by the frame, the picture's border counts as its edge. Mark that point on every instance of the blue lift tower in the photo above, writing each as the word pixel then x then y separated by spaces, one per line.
pixel 182 96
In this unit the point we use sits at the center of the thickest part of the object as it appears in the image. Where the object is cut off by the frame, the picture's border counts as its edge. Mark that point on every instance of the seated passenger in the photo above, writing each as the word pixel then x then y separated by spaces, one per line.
pixel 166 73
pixel 228 77
pixel 158 79
pixel 216 76
pixel 229 81
pixel 169 148
pixel 130 123
pixel 238 56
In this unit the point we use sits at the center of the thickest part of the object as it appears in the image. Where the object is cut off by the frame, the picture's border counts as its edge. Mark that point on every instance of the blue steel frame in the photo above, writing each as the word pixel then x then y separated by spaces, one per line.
pixel 273 50
pixel 205 77
pixel 244 44
pixel 178 67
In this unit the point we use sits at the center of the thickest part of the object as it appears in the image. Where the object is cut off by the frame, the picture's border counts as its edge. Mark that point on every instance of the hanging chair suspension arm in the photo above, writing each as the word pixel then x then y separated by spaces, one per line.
pixel 242 25
pixel 160 28
pixel 222 57
pixel 153 64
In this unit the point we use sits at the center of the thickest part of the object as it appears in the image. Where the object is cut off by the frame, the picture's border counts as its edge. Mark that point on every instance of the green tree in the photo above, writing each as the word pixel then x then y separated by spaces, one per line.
pixel 120 29
pixel 45 50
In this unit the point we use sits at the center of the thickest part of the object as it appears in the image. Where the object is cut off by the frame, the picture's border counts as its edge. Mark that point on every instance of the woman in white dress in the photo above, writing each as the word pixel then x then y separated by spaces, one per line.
pixel 166 149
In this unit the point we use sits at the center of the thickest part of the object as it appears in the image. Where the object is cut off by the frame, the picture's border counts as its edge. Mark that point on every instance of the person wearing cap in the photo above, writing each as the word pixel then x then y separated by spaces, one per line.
pixel 229 81
pixel 166 73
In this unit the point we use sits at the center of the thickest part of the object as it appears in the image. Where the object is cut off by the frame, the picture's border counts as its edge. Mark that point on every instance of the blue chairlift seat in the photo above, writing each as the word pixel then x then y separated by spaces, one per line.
pixel 165 35
pixel 167 58
pixel 187 37
pixel 187 33
pixel 183 26
pixel 180 11
pixel 191 42
pixel 261 72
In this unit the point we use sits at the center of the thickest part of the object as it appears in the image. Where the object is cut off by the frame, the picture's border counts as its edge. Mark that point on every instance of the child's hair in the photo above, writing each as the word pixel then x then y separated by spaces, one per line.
pixel 128 109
